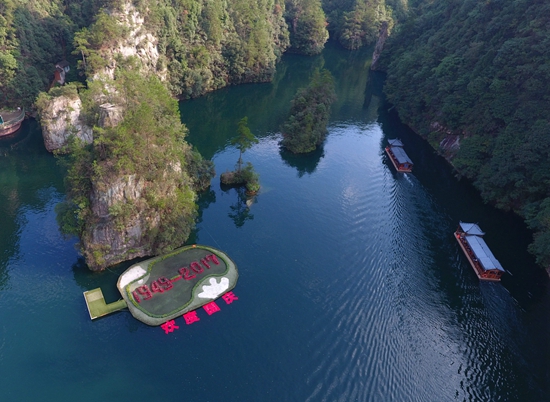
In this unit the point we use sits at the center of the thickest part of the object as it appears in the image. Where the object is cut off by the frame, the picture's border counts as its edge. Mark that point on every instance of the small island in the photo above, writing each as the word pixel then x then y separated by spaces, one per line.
pixel 306 126
pixel 243 176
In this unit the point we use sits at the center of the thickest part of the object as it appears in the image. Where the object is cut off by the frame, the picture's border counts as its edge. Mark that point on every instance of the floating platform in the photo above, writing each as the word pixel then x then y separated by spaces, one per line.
pixel 97 306
pixel 165 287
pixel 10 121
pixel 398 156
pixel 480 257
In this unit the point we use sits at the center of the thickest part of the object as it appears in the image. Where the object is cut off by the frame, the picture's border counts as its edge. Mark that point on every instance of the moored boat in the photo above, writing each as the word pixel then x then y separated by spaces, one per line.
pixel 482 260
pixel 10 121
pixel 398 156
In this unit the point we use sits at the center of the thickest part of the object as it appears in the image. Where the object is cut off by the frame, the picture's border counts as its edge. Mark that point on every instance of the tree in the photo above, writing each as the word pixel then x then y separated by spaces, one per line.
pixel 243 176
pixel 308 26
pixel 244 140
pixel 306 126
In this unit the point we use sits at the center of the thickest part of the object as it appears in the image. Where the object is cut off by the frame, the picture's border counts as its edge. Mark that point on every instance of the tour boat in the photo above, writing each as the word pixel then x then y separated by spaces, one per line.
pixel 10 121
pixel 398 156
pixel 482 260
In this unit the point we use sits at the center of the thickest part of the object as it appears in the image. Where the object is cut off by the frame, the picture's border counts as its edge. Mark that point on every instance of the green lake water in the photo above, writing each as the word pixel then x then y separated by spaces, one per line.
pixel 351 285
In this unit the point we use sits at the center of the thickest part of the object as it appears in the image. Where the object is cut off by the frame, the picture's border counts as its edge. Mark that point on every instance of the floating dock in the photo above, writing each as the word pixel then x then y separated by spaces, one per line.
pixel 97 306
pixel 162 288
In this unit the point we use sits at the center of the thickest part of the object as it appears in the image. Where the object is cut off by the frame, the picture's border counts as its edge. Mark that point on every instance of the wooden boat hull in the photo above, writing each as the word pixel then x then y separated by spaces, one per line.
pixel 10 121
pixel 395 164
pixel 10 129
pixel 477 269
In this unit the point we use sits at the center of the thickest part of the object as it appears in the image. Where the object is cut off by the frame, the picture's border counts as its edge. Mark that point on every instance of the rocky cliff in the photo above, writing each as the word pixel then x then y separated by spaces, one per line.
pixel 60 117
pixel 132 194
pixel 193 47
pixel 382 36
pixel 127 220
pixel 137 43
pixel 119 223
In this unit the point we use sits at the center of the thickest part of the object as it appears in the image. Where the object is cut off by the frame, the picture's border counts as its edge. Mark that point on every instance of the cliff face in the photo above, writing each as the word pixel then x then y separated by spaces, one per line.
pixel 126 220
pixel 193 47
pixel 115 237
pixel 449 140
pixel 60 118
pixel 137 43
pixel 382 36
pixel 132 193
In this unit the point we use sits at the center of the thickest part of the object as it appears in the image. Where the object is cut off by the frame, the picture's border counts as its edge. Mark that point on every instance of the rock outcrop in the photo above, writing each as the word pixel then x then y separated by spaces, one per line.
pixel 449 144
pixel 383 35
pixel 60 118
pixel 138 43
pixel 119 225
pixel 193 50
pixel 110 115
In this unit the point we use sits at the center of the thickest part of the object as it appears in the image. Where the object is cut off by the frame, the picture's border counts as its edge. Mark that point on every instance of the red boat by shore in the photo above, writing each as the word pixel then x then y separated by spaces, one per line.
pixel 10 121
pixel 399 157
pixel 482 260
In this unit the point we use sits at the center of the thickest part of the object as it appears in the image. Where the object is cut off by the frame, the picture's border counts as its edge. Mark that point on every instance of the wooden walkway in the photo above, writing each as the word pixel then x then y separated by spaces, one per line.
pixel 97 306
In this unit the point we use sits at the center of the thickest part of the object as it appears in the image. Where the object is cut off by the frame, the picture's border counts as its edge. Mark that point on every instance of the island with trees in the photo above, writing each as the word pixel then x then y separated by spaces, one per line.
pixel 306 125
pixel 243 176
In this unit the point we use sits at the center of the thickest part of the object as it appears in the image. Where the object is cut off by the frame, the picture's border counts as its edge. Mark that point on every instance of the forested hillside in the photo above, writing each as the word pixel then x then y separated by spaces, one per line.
pixel 356 23
pixel 194 46
pixel 479 72
pixel 34 36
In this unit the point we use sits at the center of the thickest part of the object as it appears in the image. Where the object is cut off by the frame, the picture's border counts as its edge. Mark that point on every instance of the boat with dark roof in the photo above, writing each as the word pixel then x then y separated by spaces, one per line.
pixel 10 121
pixel 398 156
pixel 482 260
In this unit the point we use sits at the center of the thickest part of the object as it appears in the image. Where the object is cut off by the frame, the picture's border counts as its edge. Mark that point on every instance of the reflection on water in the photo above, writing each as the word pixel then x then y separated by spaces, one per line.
pixel 305 163
pixel 240 209
pixel 351 284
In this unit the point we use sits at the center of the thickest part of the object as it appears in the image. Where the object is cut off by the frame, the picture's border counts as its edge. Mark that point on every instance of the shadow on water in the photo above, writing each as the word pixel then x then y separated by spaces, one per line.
pixel 240 209
pixel 29 175
pixel 303 163
pixel 28 139
pixel 374 87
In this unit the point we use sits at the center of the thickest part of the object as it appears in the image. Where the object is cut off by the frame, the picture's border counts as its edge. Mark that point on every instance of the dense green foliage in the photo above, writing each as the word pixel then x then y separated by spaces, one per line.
pixel 202 45
pixel 34 36
pixel 306 126
pixel 307 24
pixel 147 145
pixel 195 46
pixel 356 23
pixel 481 70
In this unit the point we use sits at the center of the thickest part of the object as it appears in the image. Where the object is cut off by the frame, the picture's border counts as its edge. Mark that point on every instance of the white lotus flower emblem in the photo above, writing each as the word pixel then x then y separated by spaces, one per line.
pixel 215 289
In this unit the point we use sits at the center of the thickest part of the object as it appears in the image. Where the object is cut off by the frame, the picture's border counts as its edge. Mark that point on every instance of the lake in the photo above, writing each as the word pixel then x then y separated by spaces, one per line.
pixel 351 285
